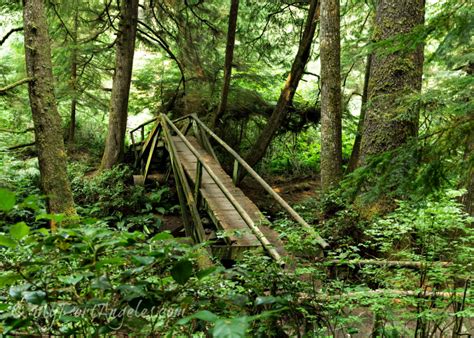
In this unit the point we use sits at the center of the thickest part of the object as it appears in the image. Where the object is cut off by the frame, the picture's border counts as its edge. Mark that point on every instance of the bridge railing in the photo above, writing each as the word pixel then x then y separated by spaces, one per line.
pixel 201 165
pixel 202 132
pixel 239 162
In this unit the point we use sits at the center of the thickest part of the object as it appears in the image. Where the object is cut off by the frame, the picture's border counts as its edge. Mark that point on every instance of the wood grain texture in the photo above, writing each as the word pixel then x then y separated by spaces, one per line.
pixel 223 212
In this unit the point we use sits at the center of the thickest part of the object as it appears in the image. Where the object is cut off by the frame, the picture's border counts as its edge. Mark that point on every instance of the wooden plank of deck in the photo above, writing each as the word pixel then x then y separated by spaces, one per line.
pixel 224 212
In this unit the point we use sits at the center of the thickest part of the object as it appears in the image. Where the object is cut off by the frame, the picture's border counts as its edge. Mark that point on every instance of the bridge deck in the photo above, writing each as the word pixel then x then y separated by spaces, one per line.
pixel 221 209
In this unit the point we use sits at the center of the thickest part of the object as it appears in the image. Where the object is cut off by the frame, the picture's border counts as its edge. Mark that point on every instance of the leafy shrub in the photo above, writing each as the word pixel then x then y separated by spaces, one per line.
pixel 82 278
pixel 112 196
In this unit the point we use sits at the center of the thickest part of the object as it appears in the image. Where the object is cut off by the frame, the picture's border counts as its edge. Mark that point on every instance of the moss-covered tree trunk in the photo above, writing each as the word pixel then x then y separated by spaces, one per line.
pixel 331 133
pixel 389 120
pixel 229 55
pixel 125 47
pixel 289 89
pixel 46 119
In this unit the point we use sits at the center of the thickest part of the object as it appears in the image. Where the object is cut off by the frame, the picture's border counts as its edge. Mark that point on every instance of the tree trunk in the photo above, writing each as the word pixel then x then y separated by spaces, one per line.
pixel 289 89
pixel 388 123
pixel 360 125
pixel 229 54
pixel 72 125
pixel 331 133
pixel 468 198
pixel 46 119
pixel 114 145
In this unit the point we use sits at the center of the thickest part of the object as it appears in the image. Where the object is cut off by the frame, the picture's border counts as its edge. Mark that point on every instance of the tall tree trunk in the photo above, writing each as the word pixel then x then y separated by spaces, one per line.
pixel 229 54
pixel 388 124
pixel 72 125
pixel 468 198
pixel 46 119
pixel 114 145
pixel 331 133
pixel 289 89
pixel 360 125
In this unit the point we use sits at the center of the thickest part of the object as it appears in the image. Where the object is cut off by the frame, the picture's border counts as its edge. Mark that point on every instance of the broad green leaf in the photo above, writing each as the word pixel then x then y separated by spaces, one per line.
pixel 17 290
pixel 182 271
pixel 19 230
pixel 162 236
pixel 7 241
pixel 31 202
pixel 34 297
pixel 264 300
pixel 7 200
pixel 73 280
pixel 205 315
pixel 202 315
pixel 143 260
pixel 51 217
pixel 101 283
pixel 206 272
pixel 8 278
pixel 231 328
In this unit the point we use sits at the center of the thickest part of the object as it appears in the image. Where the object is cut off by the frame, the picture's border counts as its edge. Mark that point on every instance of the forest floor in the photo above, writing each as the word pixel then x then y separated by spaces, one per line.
pixel 292 190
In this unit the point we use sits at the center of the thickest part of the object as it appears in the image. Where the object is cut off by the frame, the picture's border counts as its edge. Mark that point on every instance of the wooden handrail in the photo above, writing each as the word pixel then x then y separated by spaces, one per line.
pixel 143 124
pixel 260 180
pixel 245 216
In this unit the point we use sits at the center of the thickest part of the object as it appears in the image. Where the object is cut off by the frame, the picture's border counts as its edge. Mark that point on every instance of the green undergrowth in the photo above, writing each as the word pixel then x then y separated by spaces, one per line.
pixel 111 271
pixel 91 278
pixel 298 154
pixel 111 196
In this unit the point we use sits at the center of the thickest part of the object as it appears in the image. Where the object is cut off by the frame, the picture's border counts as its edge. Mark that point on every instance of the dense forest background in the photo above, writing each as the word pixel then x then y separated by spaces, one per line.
pixel 358 112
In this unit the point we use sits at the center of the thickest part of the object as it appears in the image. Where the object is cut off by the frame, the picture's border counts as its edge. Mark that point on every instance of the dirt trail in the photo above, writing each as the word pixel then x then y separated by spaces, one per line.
pixel 293 190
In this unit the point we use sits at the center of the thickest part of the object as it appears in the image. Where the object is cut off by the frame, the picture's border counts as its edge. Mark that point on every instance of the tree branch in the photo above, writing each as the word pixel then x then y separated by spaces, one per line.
pixel 204 21
pixel 13 30
pixel 13 85
pixel 4 130
pixel 22 146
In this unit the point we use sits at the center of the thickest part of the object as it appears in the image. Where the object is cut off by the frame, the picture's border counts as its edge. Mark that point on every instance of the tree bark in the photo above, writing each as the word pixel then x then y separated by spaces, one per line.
pixel 114 145
pixel 46 119
pixel 388 123
pixel 331 133
pixel 468 198
pixel 72 125
pixel 289 89
pixel 360 125
pixel 229 55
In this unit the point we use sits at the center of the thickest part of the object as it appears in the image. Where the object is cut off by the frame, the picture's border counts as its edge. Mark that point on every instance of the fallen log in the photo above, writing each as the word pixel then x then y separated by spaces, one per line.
pixel 384 263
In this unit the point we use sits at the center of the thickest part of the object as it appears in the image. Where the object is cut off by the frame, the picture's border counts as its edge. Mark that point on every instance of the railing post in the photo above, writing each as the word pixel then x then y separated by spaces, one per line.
pixel 150 156
pixel 235 172
pixel 142 131
pixel 197 184
pixel 135 152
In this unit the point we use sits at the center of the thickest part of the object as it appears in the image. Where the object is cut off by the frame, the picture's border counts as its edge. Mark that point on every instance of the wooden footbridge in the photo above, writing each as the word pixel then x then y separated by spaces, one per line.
pixel 206 191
